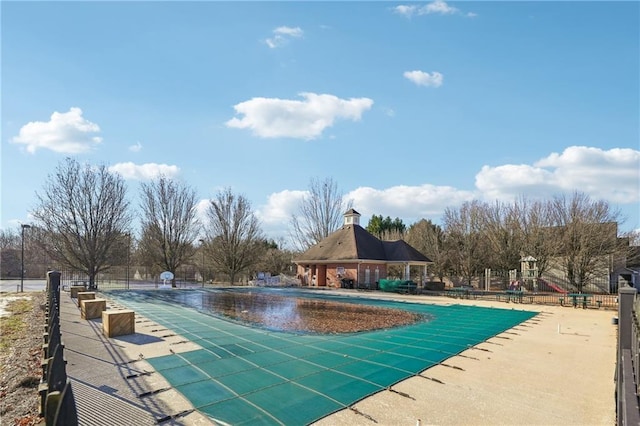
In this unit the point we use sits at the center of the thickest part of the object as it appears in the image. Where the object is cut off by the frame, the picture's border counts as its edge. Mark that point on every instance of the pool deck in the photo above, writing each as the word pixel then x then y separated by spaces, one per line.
pixel 556 370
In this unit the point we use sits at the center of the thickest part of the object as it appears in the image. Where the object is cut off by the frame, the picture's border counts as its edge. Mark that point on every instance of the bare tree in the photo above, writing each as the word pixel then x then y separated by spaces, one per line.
pixel 319 214
pixel 234 237
pixel 37 258
pixel 587 232
pixel 9 253
pixel 276 259
pixel 429 239
pixel 465 245
pixel 169 224
pixel 9 239
pixel 501 230
pixel 84 212
pixel 534 221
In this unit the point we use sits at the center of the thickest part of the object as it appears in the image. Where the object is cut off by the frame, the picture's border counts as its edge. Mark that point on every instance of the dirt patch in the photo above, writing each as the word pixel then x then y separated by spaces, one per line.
pixel 21 341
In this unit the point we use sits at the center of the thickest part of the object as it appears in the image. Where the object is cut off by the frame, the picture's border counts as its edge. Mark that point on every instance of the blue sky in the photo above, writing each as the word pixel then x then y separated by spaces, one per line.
pixel 409 107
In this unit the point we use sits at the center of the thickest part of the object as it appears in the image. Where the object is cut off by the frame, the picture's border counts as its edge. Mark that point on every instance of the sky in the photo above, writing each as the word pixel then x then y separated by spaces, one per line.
pixel 410 108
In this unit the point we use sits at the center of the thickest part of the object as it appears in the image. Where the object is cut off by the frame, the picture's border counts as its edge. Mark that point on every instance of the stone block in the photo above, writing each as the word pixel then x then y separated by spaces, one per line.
pixel 75 289
pixel 92 308
pixel 118 322
pixel 85 295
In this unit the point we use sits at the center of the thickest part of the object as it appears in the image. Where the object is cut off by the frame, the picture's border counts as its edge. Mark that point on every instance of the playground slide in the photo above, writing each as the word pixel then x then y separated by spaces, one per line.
pixel 553 286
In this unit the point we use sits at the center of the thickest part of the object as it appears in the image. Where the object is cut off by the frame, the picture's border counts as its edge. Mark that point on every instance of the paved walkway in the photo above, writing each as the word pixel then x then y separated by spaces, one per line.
pixel 556 369
pixel 111 385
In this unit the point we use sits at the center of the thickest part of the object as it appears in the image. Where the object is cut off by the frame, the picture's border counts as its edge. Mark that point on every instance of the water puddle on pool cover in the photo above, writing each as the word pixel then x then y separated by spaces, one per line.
pixel 285 313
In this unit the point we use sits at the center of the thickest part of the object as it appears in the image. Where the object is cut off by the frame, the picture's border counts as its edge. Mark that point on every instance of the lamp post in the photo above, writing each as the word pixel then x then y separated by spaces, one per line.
pixel 128 256
pixel 202 249
pixel 23 227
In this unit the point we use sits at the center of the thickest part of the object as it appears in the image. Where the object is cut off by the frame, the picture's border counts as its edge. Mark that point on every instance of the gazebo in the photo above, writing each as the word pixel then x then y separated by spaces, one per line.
pixel 353 255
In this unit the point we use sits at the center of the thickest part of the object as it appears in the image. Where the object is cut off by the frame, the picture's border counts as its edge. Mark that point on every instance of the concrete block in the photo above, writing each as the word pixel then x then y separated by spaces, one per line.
pixel 75 289
pixel 85 295
pixel 118 322
pixel 92 308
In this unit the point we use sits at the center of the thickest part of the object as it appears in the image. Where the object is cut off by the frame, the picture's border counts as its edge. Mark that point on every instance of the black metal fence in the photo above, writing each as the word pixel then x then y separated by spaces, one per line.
pixel 113 281
pixel 628 359
pixel 57 404
pixel 596 301
pixel 595 284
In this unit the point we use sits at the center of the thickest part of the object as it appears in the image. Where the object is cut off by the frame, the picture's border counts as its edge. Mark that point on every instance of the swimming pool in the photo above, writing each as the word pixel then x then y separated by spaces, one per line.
pixel 254 375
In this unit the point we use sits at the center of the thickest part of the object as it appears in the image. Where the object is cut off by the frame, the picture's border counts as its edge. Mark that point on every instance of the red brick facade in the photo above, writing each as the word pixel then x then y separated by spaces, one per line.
pixel 363 274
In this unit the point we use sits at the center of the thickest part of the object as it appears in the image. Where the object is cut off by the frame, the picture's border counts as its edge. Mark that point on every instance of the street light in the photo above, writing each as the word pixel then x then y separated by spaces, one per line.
pixel 23 227
pixel 128 256
pixel 202 249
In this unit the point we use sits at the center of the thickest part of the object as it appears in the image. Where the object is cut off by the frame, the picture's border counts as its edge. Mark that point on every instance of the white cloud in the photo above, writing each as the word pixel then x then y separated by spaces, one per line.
pixel 144 171
pixel 435 7
pixel 410 203
pixel 275 215
pixel 67 132
pixel 610 175
pixel 282 35
pixel 280 206
pixel 507 182
pixel 289 31
pixel 305 119
pixel 201 210
pixel 439 7
pixel 137 147
pixel 406 10
pixel 422 78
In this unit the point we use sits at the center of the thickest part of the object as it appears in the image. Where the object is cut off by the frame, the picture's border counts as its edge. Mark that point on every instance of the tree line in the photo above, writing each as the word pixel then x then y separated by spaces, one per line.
pixel 83 221
pixel 572 233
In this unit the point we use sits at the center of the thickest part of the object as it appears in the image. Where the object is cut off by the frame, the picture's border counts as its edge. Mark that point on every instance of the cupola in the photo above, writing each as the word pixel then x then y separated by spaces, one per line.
pixel 351 217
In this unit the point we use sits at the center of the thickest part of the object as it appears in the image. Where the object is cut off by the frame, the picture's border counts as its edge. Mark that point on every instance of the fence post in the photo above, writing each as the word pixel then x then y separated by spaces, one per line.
pixel 53 286
pixel 626 303
pixel 625 316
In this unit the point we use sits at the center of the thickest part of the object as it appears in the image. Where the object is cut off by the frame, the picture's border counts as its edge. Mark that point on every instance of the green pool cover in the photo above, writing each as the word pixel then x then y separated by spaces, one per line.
pixel 247 375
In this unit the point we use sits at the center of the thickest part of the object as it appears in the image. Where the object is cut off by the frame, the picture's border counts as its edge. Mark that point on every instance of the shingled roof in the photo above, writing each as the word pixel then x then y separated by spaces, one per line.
pixel 353 242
